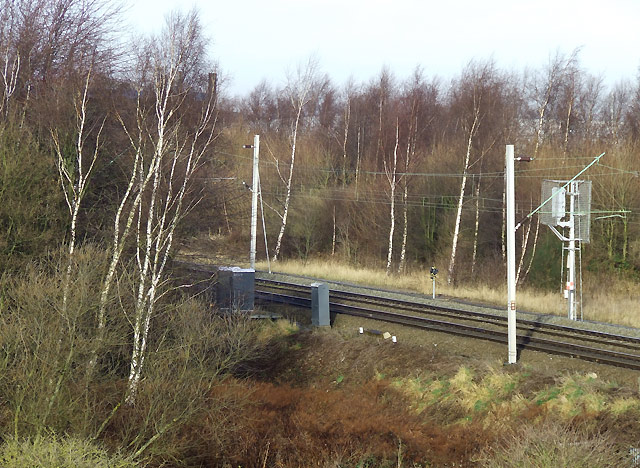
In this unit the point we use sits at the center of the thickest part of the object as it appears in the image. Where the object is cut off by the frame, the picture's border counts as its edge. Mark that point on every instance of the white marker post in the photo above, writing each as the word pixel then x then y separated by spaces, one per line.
pixel 433 272
pixel 511 254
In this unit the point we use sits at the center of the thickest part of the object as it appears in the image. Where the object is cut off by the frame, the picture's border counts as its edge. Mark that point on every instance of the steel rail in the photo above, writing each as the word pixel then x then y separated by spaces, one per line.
pixel 352 303
pixel 524 341
pixel 481 317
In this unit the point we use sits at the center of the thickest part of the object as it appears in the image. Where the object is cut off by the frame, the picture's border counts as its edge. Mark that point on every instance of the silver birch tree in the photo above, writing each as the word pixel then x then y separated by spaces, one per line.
pixel 477 225
pixel 345 139
pixel 471 133
pixel 75 171
pixel 9 70
pixel 299 93
pixel 523 252
pixel 162 176
pixel 392 175
pixel 533 252
pixel 409 156
pixel 544 90
pixel 477 100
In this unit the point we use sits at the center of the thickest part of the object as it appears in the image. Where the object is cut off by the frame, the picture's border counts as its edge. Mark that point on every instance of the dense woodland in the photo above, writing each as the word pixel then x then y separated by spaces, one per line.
pixel 116 153
pixel 401 173
pixel 347 170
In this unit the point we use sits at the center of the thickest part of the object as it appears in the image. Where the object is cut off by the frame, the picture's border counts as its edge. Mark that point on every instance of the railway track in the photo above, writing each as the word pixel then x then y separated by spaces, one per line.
pixel 587 344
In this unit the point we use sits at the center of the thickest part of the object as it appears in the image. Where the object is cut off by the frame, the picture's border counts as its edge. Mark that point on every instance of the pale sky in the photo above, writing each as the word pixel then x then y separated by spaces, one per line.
pixel 262 39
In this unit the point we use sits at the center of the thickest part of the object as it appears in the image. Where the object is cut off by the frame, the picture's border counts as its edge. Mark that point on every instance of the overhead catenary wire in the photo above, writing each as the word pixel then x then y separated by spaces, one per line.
pixel 415 199
pixel 490 205
pixel 550 172
pixel 430 200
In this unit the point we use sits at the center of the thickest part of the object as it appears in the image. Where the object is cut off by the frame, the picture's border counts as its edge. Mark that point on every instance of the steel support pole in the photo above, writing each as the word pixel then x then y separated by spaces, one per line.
pixel 571 254
pixel 511 254
pixel 254 201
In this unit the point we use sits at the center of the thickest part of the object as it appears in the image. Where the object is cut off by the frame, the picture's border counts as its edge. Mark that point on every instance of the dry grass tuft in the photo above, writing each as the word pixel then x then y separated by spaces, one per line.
pixel 277 329
pixel 552 445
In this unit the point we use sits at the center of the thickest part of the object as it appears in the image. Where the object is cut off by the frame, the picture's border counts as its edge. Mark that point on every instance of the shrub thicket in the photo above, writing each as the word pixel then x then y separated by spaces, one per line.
pixel 52 452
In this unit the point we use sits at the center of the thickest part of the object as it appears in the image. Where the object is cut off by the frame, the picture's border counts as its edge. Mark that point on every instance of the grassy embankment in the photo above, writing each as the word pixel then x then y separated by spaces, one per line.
pixel 225 393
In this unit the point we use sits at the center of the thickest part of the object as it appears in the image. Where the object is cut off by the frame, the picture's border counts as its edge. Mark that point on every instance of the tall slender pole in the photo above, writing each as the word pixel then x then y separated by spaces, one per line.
pixel 571 254
pixel 511 254
pixel 254 200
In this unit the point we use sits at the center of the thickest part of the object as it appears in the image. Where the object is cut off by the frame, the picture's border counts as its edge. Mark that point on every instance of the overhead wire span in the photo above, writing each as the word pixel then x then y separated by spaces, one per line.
pixel 386 201
pixel 551 171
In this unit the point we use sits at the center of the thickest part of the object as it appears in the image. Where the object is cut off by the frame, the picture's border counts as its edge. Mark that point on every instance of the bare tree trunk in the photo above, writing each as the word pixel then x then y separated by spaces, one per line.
pixel 9 72
pixel 73 175
pixel 333 239
pixel 226 215
pixel 158 238
pixel 299 95
pixel 287 200
pixel 405 216
pixel 541 111
pixel 533 250
pixel 347 115
pixel 391 177
pixel 525 242
pixel 463 183
pixel 10 57
pixel 358 161
pixel 178 151
pixel 567 127
pixel 121 233
pixel 477 226
pixel 379 143
pixel 411 147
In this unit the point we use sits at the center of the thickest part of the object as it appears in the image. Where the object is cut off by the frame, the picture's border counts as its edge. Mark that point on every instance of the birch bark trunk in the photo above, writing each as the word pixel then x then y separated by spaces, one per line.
pixel 74 176
pixel 347 116
pixel 299 91
pixel 333 238
pixel 161 183
pixel 287 200
pixel 358 160
pixel 533 250
pixel 392 178
pixel 463 183
pixel 477 226
pixel 525 242
pixel 411 147
pixel 567 127
pixel 9 72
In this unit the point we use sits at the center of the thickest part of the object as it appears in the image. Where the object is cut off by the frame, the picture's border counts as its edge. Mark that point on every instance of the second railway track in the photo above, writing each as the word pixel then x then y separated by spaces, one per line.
pixel 593 345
